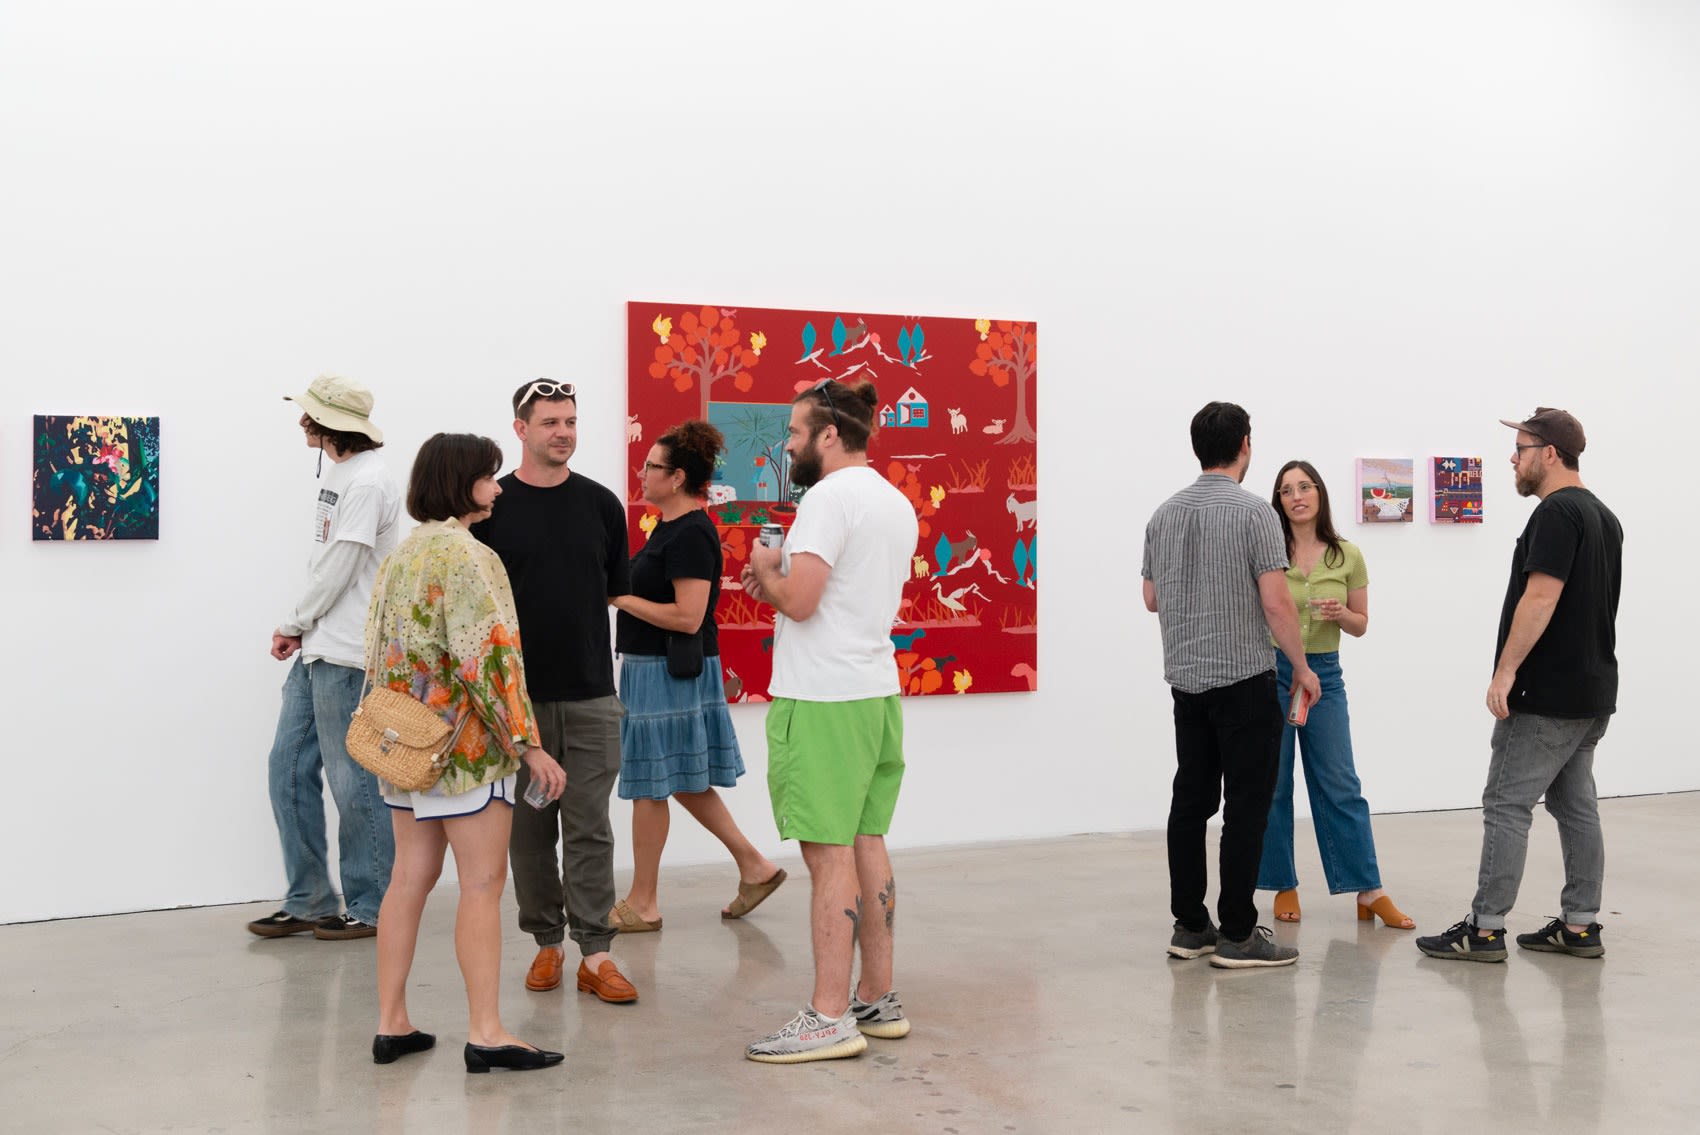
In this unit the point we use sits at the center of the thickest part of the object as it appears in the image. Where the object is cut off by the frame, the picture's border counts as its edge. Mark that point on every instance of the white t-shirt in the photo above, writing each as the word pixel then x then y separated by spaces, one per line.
pixel 866 531
pixel 358 504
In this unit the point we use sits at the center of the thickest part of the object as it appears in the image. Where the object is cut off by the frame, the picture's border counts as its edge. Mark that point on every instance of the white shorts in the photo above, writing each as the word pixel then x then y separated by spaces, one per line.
pixel 425 806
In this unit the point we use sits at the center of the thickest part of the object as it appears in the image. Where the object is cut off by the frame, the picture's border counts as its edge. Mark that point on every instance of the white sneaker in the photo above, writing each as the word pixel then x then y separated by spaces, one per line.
pixel 882 1018
pixel 810 1036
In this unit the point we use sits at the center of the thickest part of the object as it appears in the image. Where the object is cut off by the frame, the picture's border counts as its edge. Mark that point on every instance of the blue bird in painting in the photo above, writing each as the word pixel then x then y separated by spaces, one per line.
pixel 907 641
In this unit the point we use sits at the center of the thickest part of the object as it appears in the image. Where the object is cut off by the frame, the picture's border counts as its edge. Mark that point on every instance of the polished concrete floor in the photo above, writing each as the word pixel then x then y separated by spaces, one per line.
pixel 1034 973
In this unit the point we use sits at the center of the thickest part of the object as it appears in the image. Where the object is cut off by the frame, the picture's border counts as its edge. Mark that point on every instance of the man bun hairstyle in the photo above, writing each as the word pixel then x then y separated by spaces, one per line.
pixel 448 465
pixel 691 449
pixel 856 418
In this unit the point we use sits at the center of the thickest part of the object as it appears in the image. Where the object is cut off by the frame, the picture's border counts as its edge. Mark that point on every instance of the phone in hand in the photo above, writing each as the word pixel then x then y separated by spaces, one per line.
pixel 1299 707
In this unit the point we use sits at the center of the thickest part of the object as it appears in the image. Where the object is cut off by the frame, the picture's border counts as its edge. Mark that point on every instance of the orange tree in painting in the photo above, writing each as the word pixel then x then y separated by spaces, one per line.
pixel 699 349
pixel 1009 354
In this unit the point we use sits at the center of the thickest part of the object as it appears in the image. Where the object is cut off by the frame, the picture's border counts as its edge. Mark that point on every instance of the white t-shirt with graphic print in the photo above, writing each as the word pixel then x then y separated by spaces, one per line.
pixel 360 510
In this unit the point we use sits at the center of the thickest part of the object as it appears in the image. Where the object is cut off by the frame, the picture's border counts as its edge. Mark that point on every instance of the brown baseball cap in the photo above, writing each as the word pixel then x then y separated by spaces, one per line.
pixel 1555 427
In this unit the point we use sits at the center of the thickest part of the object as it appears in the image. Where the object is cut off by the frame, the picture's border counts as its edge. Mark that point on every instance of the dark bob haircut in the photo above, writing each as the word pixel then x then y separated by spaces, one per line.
pixel 448 465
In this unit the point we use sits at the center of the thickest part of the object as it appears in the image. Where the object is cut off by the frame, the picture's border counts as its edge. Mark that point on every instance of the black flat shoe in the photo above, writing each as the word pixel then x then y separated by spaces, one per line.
pixel 515 1056
pixel 389 1049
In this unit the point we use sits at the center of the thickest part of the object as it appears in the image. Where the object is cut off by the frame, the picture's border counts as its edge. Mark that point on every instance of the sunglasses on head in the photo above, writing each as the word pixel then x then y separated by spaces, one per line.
pixel 825 387
pixel 548 388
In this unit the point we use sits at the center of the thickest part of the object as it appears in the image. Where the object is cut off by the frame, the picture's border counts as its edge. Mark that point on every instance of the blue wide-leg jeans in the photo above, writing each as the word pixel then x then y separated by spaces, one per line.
pixel 318 701
pixel 1337 804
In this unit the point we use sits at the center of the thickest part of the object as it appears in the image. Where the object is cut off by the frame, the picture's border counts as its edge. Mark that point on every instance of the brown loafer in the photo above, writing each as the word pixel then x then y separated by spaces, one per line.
pixel 607 983
pixel 545 971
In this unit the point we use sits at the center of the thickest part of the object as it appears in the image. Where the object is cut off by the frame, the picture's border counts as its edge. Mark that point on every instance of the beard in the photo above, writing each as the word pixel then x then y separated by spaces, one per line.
pixel 806 465
pixel 1529 484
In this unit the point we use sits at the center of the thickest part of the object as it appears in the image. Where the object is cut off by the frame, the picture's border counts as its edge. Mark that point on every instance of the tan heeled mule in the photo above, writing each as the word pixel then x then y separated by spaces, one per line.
pixel 1287 906
pixel 1391 916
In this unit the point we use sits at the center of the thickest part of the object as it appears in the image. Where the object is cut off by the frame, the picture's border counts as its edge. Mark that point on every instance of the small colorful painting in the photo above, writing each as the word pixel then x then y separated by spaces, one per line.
pixel 956 412
pixel 1456 484
pixel 1386 490
pixel 96 478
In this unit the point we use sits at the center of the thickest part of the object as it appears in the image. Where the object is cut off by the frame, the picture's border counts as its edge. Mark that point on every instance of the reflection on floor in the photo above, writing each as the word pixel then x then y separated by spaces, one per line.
pixel 1034 973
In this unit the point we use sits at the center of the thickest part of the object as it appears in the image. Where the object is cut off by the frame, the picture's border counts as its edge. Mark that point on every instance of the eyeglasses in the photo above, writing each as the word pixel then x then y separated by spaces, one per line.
pixel 1534 445
pixel 546 388
pixel 825 387
pixel 1301 487
pixel 651 467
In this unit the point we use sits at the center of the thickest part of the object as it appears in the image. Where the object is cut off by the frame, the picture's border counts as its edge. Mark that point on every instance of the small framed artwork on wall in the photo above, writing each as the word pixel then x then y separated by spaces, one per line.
pixel 96 478
pixel 1455 490
pixel 1386 490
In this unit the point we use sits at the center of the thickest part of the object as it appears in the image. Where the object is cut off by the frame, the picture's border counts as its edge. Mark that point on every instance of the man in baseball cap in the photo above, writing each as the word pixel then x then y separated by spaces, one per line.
pixel 354 528
pixel 1553 693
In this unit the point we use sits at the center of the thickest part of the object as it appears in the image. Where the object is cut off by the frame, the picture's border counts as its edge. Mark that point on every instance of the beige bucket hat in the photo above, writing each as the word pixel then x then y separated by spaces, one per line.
pixel 338 404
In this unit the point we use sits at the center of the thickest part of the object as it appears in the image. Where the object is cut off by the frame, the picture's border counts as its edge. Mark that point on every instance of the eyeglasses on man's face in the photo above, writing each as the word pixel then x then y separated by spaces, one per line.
pixel 1517 451
pixel 1296 489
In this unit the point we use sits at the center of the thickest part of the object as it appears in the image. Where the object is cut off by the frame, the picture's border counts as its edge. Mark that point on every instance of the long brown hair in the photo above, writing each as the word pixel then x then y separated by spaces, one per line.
pixel 1333 554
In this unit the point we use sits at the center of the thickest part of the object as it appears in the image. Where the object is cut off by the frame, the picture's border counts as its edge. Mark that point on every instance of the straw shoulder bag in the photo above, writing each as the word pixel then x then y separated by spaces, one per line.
pixel 402 740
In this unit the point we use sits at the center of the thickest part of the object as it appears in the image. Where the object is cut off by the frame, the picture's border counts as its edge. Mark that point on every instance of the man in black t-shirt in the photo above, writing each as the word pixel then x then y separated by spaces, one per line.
pixel 562 539
pixel 1553 692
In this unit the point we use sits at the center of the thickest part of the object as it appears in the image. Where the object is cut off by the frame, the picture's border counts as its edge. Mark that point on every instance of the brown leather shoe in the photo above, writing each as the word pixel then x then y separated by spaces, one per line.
pixel 607 983
pixel 545 971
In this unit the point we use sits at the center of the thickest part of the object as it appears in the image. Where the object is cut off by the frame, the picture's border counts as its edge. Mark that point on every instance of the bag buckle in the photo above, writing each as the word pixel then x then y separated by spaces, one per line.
pixel 388 741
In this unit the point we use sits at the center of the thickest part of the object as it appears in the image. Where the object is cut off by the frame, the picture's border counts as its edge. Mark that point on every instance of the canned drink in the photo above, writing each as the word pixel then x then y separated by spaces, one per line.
pixel 772 535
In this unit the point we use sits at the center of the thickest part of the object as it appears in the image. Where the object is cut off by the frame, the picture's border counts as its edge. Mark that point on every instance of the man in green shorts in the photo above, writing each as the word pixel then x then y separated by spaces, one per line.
pixel 835 729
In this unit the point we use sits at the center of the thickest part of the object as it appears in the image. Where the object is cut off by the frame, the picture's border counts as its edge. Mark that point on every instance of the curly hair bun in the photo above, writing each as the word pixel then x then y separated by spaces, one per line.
pixel 698 438
pixel 864 390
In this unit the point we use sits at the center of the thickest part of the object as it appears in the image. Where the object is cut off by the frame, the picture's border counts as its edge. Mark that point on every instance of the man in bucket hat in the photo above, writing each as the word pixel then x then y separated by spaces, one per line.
pixel 1553 692
pixel 354 528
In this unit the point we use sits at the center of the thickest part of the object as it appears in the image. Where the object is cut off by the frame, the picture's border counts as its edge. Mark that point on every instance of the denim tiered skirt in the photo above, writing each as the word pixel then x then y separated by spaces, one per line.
pixel 677 734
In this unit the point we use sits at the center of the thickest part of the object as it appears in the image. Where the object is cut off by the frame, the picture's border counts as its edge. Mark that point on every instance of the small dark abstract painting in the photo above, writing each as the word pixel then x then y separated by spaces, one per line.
pixel 96 478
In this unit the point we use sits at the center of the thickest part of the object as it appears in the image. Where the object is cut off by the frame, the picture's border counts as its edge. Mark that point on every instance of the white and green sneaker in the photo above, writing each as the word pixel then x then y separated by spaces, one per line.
pixel 882 1018
pixel 810 1036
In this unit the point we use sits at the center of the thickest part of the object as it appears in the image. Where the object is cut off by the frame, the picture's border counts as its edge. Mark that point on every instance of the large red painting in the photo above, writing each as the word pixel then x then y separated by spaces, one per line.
pixel 956 436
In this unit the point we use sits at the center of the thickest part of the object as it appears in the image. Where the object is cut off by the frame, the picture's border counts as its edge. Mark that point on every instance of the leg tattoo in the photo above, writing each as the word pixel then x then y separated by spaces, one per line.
pixel 888 902
pixel 855 917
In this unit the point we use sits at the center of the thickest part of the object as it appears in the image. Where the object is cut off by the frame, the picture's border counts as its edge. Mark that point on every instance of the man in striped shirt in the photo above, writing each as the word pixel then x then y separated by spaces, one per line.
pixel 1215 573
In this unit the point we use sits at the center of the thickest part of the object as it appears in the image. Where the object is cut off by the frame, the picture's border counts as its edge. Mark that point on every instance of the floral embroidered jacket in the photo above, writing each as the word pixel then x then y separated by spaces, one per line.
pixel 442 627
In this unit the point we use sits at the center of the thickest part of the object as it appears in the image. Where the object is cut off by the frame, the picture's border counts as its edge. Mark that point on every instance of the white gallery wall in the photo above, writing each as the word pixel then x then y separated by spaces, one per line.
pixel 1380 228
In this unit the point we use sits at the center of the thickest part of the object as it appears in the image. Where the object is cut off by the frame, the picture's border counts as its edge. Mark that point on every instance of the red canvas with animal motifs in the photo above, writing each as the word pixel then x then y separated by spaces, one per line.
pixel 957 436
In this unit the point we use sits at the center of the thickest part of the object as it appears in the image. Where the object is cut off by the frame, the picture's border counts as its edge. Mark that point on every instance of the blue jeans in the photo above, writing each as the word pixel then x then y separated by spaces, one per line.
pixel 1337 804
pixel 1533 755
pixel 318 701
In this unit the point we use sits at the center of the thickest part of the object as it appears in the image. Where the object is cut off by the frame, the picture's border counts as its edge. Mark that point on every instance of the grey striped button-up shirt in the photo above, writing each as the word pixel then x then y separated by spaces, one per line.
pixel 1204 549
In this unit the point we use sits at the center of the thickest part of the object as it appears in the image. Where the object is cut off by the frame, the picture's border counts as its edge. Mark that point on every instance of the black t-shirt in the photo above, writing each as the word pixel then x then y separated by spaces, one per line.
pixel 565 551
pixel 1572 670
pixel 686 548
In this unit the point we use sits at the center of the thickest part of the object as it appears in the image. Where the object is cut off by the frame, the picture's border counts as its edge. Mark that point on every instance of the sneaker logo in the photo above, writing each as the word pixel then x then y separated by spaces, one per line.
pixel 819 1034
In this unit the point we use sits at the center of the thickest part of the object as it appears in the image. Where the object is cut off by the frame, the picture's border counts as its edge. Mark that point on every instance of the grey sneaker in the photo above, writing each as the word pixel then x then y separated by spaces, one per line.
pixel 810 1036
pixel 882 1018
pixel 1186 943
pixel 1258 950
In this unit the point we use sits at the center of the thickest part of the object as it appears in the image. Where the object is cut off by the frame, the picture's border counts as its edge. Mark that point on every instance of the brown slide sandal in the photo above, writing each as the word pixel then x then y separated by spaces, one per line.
pixel 752 895
pixel 625 920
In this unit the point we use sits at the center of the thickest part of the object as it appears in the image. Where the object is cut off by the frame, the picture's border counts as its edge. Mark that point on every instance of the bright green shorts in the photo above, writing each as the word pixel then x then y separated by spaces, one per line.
pixel 834 768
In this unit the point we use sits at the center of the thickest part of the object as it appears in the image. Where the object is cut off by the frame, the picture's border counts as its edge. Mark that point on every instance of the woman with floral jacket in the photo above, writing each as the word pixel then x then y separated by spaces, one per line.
pixel 442 628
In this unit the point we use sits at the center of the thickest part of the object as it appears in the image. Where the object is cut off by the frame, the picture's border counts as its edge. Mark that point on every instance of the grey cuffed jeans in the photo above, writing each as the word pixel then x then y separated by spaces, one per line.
pixel 575 891
pixel 1534 755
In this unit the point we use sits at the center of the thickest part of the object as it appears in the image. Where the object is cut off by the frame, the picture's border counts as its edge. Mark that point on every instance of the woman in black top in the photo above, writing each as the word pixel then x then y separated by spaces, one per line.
pixel 676 739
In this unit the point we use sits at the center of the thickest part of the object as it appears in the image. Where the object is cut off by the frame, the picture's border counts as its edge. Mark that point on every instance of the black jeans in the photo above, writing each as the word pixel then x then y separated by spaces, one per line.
pixel 1227 752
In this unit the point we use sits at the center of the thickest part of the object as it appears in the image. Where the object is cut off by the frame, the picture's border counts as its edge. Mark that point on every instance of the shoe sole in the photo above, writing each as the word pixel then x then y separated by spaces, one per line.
pixel 343 935
pixel 1465 955
pixel 885 1030
pixel 278 931
pixel 1221 962
pixel 556 984
pixel 585 987
pixel 1573 951
pixel 853 1046
pixel 1188 954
